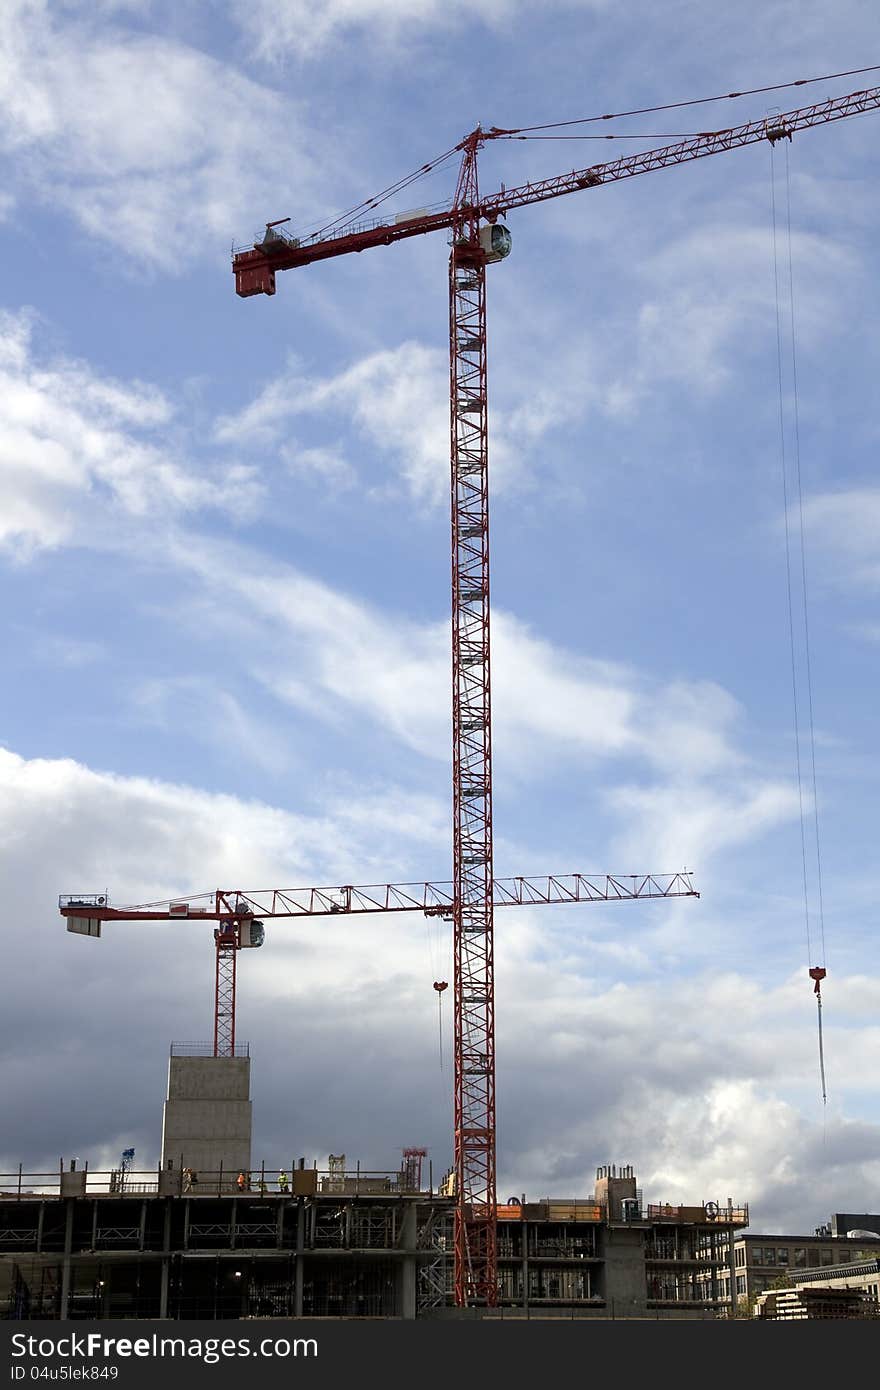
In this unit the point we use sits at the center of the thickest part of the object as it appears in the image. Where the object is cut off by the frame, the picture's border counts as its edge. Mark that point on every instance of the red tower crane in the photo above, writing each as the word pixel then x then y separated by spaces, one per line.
pixel 240 915
pixel 477 240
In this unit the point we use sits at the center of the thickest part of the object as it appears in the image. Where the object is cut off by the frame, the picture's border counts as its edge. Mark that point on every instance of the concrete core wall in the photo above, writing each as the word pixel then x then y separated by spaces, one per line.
pixel 625 1290
pixel 611 1191
pixel 207 1117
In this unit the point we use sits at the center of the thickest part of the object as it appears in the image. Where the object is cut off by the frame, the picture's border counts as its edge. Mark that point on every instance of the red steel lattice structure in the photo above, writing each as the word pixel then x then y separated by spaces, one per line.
pixel 227 938
pixel 473 939
pixel 240 915
pixel 476 1274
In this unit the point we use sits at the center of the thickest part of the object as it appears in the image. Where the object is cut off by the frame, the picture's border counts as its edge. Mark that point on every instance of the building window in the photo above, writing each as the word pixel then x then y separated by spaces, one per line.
pixel 812 1256
pixel 799 1255
pixel 740 1256
pixel 826 1257
pixel 757 1255
pixel 770 1254
pixel 782 1255
pixel 740 1283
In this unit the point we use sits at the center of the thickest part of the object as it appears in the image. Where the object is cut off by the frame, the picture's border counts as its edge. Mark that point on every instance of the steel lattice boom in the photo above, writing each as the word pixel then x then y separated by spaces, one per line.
pixel 255 268
pixel 237 912
pixel 473 937
pixel 434 899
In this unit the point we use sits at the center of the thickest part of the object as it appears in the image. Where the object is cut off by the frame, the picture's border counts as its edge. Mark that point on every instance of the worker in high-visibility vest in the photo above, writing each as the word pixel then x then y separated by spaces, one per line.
pixel 241 1181
pixel 282 1183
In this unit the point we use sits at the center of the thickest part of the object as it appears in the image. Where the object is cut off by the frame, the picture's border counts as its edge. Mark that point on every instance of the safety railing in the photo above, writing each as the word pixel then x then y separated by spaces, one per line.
pixel 181 1180
pixel 710 1213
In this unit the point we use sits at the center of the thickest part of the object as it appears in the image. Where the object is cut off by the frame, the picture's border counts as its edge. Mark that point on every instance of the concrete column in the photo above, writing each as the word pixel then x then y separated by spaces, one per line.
pixel 166 1261
pixel 731 1264
pixel 524 1228
pixel 65 1267
pixel 300 1248
pixel 625 1285
pixel 407 1278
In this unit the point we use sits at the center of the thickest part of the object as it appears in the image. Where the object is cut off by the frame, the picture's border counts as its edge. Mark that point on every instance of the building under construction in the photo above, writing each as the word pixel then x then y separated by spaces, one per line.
pixel 207 1235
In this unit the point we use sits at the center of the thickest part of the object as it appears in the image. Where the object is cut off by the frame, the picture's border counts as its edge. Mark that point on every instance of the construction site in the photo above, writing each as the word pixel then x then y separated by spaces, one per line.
pixel 207 1234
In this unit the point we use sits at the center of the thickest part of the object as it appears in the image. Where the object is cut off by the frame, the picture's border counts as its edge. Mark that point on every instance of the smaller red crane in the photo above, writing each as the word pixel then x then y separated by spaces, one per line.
pixel 240 915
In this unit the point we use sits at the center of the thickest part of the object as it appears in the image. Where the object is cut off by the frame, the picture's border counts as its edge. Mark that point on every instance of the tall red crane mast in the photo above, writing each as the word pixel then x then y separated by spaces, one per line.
pixel 240 915
pixel 477 240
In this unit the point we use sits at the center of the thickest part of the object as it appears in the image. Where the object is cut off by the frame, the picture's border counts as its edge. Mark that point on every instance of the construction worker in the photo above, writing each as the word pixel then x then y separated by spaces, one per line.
pixel 282 1183
pixel 241 1181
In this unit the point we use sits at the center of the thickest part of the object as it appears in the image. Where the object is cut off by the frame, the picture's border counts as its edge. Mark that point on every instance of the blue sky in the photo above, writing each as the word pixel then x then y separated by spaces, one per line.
pixel 225 564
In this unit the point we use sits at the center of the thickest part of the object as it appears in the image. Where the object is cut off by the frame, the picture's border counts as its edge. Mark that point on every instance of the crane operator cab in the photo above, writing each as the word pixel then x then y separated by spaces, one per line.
pixel 253 933
pixel 496 241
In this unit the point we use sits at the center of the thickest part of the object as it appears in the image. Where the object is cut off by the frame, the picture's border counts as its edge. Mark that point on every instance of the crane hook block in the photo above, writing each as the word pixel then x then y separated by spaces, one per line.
pixel 817 974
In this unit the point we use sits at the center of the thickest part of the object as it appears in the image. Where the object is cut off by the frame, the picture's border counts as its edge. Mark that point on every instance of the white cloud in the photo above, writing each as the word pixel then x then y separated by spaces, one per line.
pixel 335 656
pixel 159 151
pixel 276 26
pixel 66 827
pixel 71 440
pixel 76 449
pixel 196 707
pixel 398 400
pixel 720 1070
pixel 846 525
pixel 700 820
pixel 691 1076
pixel 711 301
pixel 180 838
pixel 57 650
pixel 396 671
pixel 327 464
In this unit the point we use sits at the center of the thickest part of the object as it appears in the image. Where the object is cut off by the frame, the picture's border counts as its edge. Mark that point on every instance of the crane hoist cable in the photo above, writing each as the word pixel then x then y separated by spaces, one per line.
pixel 818 972
pixel 696 101
pixel 432 926
pixel 525 132
pixel 378 198
pixel 440 986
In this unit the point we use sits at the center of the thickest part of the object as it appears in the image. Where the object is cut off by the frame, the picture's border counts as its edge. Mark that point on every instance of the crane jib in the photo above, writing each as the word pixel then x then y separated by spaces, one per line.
pixel 432 899
pixel 255 269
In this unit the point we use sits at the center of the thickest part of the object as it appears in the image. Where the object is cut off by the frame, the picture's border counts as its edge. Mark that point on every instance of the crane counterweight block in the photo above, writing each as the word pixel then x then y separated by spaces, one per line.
pixel 253 274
